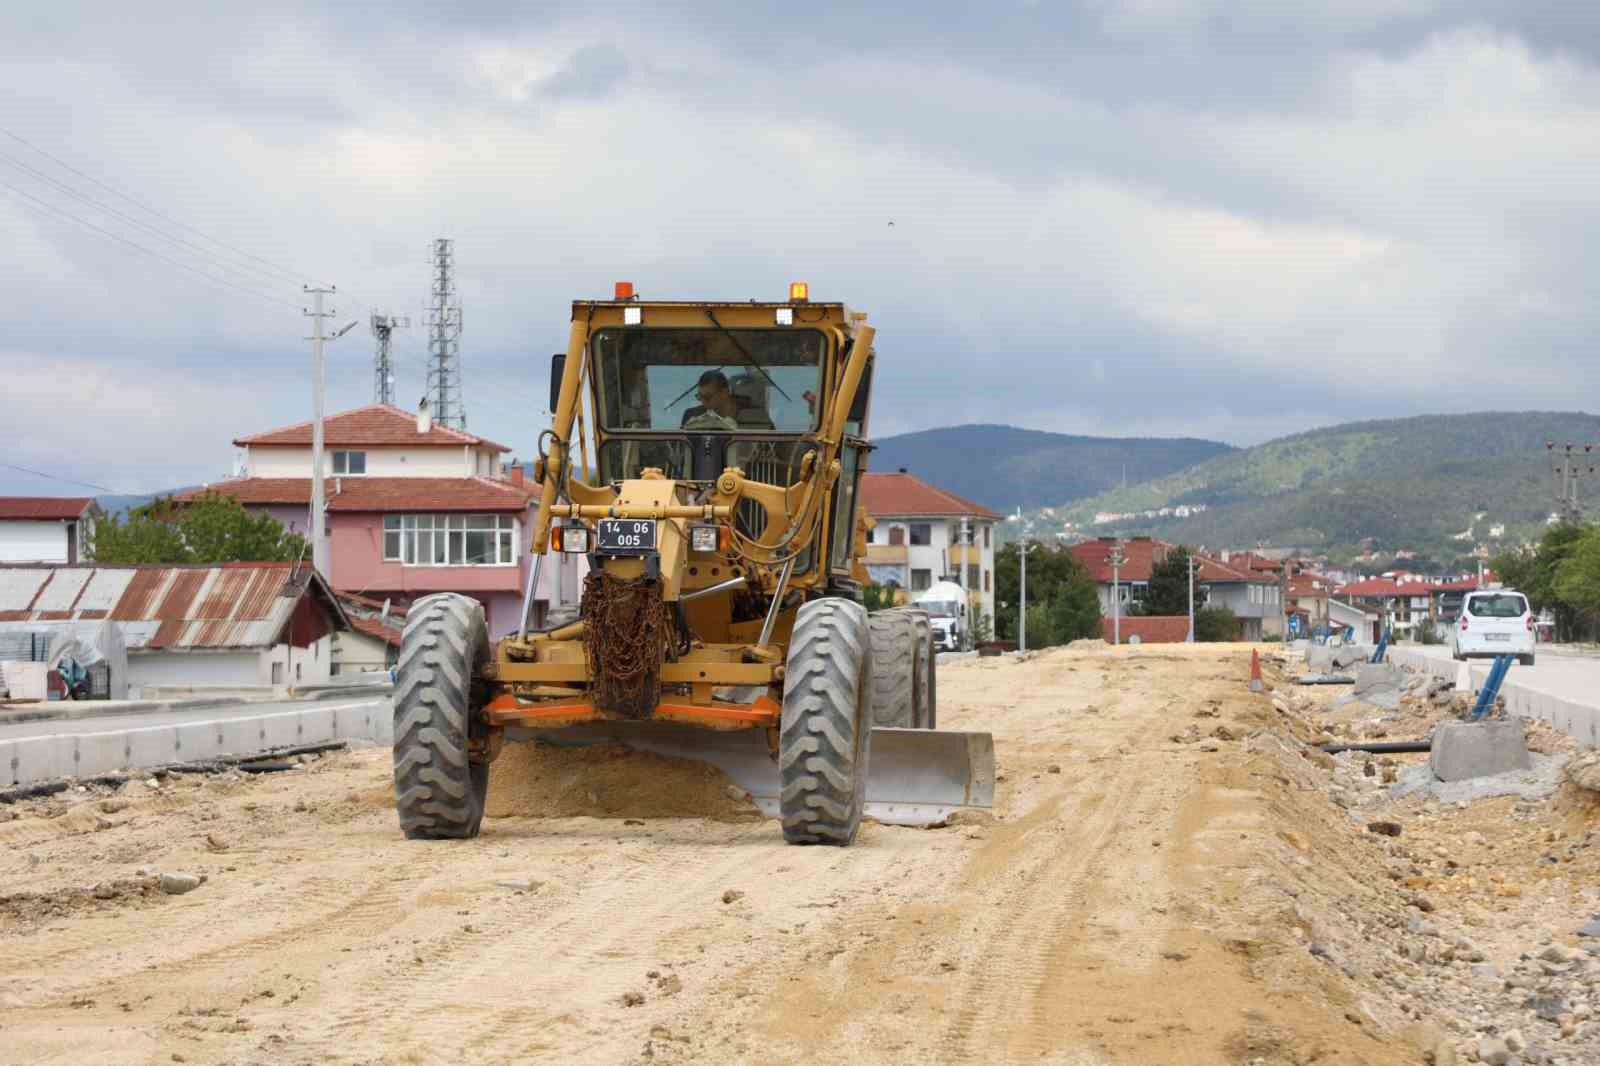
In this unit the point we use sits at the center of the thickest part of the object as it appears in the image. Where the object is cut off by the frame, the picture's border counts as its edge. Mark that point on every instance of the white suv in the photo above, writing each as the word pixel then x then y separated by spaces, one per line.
pixel 1495 622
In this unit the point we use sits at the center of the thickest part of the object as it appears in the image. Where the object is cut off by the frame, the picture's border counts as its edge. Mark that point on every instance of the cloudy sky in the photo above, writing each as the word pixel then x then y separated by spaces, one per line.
pixel 1221 218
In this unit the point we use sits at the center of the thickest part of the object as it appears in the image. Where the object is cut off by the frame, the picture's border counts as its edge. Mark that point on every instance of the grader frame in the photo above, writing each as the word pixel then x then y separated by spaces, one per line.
pixel 769 662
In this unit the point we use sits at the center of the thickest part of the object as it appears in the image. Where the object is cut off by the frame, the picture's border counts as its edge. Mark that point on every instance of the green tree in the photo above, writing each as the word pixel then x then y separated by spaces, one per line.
pixel 1075 612
pixel 212 528
pixel 877 597
pixel 1577 577
pixel 1063 603
pixel 1534 574
pixel 1168 593
pixel 1215 624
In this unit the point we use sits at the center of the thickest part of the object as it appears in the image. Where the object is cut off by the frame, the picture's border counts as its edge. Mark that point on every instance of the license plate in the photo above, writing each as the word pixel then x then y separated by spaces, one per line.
pixel 625 536
pixel 1497 636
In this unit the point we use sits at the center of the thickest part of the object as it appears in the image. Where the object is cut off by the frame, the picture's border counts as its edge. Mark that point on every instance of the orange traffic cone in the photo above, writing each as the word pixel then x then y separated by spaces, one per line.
pixel 1256 684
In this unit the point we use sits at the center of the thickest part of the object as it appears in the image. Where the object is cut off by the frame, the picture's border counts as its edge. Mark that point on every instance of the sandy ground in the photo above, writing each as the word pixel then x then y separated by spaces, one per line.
pixel 1137 897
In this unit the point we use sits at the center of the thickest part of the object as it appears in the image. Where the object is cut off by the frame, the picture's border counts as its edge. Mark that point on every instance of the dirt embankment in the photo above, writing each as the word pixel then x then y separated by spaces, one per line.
pixel 1166 878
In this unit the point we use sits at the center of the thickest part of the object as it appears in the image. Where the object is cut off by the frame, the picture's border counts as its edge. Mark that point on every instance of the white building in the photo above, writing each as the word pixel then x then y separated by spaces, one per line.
pixel 918 538
pixel 46 529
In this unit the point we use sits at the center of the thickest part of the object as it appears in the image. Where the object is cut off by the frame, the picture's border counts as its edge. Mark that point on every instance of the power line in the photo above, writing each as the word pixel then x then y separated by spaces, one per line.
pixel 141 248
pixel 289 273
pixel 259 276
pixel 67 480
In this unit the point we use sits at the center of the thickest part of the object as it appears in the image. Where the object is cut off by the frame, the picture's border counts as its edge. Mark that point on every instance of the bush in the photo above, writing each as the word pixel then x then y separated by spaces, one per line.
pixel 1215 625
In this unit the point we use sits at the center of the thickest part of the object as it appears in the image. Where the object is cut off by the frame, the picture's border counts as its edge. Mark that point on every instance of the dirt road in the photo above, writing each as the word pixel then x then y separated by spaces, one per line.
pixel 1130 902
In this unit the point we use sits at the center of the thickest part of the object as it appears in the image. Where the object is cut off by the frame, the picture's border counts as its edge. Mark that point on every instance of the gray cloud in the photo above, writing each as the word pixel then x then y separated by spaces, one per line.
pixel 1225 219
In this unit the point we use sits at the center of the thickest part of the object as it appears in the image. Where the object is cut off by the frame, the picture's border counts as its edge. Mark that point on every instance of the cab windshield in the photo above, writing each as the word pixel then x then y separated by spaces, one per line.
pixel 699 380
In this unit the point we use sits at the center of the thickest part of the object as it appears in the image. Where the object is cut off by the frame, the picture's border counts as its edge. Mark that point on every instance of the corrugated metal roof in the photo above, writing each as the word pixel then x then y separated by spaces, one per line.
pixel 231 606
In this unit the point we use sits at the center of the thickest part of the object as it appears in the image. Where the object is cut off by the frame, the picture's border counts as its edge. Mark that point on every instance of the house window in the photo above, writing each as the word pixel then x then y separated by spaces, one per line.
pixel 985 536
pixel 897 535
pixel 921 580
pixel 349 463
pixel 449 540
pixel 972 576
pixel 986 585
pixel 277 673
pixel 921 534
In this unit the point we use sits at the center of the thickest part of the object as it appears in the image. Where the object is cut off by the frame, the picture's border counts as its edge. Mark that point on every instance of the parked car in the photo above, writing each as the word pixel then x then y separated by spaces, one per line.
pixel 1495 622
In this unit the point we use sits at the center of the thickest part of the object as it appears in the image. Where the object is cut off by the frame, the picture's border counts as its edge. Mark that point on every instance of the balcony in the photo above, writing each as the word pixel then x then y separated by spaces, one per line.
pixel 961 554
pixel 887 553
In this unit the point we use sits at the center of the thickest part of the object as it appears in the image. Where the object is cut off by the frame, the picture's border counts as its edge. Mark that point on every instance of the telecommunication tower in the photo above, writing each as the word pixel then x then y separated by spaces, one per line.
pixel 382 362
pixel 444 340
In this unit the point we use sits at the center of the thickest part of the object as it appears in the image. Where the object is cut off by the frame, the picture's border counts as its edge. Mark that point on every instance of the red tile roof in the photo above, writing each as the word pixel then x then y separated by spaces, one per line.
pixel 1139 556
pixel 43 508
pixel 362 494
pixel 1150 628
pixel 907 494
pixel 375 424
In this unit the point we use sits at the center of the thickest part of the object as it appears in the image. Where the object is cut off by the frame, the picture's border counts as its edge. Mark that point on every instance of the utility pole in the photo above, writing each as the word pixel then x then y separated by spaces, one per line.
pixel 319 517
pixel 1568 467
pixel 444 340
pixel 1022 611
pixel 320 560
pixel 1283 602
pixel 1191 597
pixel 382 363
pixel 1116 593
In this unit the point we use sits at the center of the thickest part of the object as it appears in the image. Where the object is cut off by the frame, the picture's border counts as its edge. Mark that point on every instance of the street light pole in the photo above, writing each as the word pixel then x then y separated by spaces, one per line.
pixel 320 560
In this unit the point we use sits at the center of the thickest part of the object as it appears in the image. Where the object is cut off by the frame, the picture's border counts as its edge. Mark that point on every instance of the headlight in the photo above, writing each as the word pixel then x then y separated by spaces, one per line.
pixel 703 538
pixel 573 539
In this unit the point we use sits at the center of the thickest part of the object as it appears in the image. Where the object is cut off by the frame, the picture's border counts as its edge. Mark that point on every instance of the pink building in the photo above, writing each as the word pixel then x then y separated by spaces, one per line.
pixel 412 508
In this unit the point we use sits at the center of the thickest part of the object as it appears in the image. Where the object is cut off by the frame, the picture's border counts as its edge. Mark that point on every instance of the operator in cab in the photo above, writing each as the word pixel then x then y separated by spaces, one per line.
pixel 720 409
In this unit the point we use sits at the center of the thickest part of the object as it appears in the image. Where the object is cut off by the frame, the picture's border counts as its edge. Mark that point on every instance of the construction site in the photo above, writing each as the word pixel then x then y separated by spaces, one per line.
pixel 1172 871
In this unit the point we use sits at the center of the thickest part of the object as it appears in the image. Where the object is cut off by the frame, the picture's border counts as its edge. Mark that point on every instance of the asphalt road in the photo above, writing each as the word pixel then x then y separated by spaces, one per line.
pixel 1572 673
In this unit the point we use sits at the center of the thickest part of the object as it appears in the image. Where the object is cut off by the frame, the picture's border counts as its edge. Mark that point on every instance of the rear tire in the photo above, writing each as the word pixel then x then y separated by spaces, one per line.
pixel 1526 660
pixel 826 723
pixel 926 674
pixel 439 791
pixel 894 669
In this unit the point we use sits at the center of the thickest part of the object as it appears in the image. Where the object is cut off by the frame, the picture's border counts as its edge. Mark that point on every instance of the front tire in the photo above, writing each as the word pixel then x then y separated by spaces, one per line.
pixel 826 723
pixel 439 791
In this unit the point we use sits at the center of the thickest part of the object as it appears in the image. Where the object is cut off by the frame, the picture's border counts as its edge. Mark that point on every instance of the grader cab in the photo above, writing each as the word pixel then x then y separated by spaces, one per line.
pixel 721 616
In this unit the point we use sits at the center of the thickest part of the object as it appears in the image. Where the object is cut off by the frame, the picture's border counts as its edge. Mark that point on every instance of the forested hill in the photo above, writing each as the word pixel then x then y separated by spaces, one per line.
pixel 1003 467
pixel 1411 483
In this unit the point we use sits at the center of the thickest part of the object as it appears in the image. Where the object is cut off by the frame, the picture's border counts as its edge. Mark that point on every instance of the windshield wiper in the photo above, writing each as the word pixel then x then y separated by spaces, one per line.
pixel 742 351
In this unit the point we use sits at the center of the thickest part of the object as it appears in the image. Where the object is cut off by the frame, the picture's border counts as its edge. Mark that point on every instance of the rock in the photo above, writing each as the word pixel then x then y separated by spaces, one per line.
pixel 1209 745
pixel 1514 1042
pixel 632 999
pixel 1555 953
pixel 1421 926
pixel 732 895
pixel 149 869
pixel 735 793
pixel 1055 768
pixel 1591 928
pixel 105 890
pixel 1547 1008
pixel 1584 771
pixel 215 842
pixel 176 884
pixel 519 885
pixel 1493 1051
pixel 114 804
pixel 1388 829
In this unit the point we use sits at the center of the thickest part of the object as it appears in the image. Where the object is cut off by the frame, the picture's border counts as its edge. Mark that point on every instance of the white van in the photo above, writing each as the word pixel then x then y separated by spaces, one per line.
pixel 1494 622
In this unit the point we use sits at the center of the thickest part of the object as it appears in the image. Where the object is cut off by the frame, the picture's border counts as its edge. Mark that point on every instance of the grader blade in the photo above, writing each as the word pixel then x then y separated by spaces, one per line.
pixel 915 777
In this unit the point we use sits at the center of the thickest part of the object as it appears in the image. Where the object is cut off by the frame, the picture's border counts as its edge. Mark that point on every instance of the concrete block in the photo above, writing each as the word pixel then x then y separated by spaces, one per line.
pixel 152 746
pixel 1319 657
pixel 317 725
pixel 1463 750
pixel 35 759
pixel 1349 656
pixel 98 753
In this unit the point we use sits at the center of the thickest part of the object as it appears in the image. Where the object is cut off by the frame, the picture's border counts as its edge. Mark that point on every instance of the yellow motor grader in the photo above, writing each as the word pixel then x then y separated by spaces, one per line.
pixel 720 617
